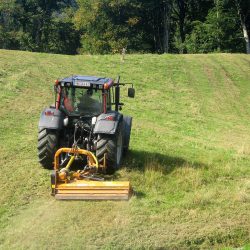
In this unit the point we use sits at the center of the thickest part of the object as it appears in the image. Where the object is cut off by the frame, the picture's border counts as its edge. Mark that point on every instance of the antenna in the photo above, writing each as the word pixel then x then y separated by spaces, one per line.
pixel 118 79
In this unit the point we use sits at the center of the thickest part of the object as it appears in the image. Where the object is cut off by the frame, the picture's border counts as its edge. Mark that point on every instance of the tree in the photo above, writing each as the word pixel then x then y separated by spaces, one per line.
pixel 109 25
pixel 38 25
pixel 243 8
pixel 159 19
pixel 218 32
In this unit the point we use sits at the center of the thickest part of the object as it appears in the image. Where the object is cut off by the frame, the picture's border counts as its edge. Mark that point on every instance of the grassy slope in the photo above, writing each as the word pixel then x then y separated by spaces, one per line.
pixel 189 159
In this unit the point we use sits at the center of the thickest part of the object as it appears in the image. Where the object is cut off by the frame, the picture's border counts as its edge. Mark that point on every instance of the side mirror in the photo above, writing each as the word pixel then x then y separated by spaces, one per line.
pixel 131 92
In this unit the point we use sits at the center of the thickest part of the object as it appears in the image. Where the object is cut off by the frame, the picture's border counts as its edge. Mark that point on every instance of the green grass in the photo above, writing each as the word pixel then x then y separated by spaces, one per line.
pixel 189 161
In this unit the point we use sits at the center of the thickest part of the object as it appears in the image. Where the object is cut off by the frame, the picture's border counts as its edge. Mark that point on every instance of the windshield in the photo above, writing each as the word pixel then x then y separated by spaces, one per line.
pixel 80 101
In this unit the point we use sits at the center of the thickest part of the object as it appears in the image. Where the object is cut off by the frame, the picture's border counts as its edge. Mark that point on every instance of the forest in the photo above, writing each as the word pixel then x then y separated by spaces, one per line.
pixel 108 26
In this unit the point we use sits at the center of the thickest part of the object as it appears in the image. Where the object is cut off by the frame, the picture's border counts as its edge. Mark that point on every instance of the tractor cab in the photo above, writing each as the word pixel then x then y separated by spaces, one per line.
pixel 85 95
pixel 81 101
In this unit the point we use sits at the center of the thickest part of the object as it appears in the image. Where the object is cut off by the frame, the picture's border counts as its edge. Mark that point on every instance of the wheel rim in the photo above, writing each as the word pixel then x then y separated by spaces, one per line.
pixel 119 148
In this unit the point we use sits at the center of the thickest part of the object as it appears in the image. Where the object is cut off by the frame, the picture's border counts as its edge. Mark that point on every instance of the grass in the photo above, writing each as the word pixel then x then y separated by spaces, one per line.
pixel 189 159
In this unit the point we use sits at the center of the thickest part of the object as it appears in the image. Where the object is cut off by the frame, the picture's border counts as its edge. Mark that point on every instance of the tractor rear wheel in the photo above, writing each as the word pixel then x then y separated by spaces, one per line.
pixel 127 122
pixel 112 147
pixel 47 146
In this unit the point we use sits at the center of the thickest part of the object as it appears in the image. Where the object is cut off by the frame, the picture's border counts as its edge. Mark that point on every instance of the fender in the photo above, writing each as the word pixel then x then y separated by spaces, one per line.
pixel 108 123
pixel 51 118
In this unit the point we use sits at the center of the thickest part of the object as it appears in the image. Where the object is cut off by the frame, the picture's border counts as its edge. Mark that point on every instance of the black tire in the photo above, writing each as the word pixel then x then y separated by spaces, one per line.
pixel 127 125
pixel 112 146
pixel 47 146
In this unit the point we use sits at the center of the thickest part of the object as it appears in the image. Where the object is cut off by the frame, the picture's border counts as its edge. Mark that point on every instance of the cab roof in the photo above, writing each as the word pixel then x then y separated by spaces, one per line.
pixel 91 79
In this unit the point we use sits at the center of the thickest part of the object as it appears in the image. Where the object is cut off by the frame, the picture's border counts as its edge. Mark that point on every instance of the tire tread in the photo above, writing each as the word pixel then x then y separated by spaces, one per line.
pixel 47 146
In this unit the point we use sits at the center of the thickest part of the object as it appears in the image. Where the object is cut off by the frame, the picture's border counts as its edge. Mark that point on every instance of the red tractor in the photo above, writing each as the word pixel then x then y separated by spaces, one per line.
pixel 85 117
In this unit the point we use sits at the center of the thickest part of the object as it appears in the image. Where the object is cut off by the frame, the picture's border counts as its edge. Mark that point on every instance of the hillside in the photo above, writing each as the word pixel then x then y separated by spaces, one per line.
pixel 189 160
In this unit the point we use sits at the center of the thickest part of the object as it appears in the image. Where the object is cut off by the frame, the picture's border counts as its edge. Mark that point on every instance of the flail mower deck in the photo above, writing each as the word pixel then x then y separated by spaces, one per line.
pixel 85 184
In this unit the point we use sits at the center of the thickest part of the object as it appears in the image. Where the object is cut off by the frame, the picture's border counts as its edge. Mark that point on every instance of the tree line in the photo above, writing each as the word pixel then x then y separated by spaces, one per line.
pixel 108 26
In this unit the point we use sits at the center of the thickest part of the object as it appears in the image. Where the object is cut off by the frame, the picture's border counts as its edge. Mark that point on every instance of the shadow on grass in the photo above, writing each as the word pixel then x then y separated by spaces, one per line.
pixel 152 163
pixel 142 160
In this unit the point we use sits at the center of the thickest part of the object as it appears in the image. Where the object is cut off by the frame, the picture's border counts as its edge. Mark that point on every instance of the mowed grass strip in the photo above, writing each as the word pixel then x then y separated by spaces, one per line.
pixel 189 159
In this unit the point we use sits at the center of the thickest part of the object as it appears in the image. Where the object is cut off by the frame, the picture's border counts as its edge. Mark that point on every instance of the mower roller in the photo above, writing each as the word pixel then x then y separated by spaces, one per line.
pixel 83 138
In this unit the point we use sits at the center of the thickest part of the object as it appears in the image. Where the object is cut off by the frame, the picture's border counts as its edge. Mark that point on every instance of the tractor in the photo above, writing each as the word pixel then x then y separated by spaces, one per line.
pixel 84 126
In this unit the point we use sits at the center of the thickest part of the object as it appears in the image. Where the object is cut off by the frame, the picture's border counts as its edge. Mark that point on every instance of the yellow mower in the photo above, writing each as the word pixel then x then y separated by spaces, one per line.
pixel 85 184
pixel 82 137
